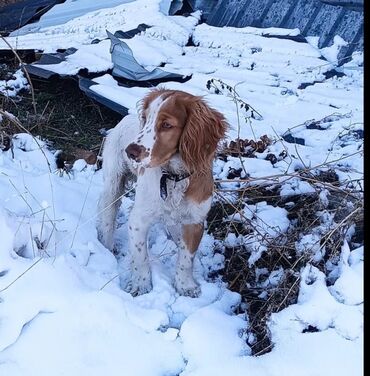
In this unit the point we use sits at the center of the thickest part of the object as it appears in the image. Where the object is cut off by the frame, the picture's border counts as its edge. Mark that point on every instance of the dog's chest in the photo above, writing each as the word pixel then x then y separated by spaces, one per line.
pixel 175 207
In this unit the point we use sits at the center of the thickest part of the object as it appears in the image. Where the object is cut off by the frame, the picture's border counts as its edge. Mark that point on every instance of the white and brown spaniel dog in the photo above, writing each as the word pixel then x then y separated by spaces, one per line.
pixel 170 149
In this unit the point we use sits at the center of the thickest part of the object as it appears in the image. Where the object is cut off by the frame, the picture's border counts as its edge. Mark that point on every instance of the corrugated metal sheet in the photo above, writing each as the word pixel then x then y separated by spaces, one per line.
pixel 322 18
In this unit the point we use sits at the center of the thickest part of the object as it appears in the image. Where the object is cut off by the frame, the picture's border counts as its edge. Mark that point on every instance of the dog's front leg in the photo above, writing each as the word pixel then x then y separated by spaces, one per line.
pixel 109 203
pixel 184 280
pixel 141 281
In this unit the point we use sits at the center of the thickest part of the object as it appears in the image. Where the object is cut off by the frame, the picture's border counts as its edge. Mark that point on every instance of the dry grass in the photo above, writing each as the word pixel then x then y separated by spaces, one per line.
pixel 344 206
pixel 259 297
pixel 65 117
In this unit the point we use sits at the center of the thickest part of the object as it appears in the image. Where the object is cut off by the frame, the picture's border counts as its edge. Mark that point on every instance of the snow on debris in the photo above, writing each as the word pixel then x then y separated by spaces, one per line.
pixel 93 25
pixel 66 11
pixel 62 306
pixel 11 86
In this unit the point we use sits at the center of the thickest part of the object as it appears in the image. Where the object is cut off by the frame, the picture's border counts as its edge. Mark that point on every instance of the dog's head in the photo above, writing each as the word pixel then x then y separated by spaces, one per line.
pixel 173 121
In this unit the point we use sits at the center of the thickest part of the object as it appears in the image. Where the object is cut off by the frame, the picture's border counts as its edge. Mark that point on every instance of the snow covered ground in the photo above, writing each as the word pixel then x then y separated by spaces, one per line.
pixel 62 308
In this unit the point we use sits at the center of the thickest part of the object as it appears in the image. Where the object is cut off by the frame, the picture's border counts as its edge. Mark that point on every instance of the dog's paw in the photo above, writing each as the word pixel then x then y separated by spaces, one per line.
pixel 187 287
pixel 141 282
pixel 139 288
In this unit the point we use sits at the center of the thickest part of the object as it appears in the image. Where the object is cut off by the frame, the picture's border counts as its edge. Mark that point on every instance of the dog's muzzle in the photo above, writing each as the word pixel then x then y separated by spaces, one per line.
pixel 136 152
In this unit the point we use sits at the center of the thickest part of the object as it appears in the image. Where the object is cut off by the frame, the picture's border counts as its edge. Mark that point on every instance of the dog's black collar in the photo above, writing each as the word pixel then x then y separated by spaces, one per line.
pixel 166 175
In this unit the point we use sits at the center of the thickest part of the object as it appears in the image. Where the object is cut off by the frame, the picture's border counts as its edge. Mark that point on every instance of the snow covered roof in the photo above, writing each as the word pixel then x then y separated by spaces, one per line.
pixel 314 18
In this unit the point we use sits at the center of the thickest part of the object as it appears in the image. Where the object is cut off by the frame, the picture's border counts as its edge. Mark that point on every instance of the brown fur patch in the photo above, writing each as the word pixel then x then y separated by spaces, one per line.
pixel 192 235
pixel 200 187
pixel 203 130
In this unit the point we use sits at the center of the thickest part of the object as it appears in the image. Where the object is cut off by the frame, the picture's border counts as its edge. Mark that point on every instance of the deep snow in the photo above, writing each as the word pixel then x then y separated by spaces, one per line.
pixel 62 307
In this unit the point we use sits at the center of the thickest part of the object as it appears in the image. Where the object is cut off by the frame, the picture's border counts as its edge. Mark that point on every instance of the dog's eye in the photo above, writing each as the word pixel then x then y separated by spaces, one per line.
pixel 166 125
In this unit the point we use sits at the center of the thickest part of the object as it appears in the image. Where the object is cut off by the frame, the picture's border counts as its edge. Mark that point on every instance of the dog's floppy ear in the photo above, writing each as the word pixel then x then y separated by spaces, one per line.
pixel 204 128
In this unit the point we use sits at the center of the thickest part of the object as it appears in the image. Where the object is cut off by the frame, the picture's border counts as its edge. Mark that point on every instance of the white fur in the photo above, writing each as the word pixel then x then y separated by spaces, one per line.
pixel 146 136
pixel 148 208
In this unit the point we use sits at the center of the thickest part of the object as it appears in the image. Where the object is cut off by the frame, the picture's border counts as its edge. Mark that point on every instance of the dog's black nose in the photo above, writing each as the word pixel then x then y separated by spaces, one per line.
pixel 134 151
